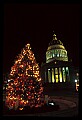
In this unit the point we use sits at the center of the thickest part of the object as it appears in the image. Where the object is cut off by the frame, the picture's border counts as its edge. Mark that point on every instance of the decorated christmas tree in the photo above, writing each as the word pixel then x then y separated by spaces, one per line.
pixel 24 83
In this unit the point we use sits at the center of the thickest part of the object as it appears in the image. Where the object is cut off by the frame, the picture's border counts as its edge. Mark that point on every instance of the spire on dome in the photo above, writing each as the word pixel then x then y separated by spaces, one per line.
pixel 54 36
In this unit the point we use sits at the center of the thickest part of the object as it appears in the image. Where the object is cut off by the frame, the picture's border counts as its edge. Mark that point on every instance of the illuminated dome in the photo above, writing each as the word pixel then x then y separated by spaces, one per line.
pixel 56 51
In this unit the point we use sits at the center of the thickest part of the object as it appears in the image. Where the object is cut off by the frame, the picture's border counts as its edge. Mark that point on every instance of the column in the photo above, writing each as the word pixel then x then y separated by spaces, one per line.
pixel 66 74
pixel 52 75
pixel 58 75
pixel 62 74
pixel 49 75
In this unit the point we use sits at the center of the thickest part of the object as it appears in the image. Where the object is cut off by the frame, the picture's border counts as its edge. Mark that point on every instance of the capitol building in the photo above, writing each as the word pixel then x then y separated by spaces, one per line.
pixel 57 67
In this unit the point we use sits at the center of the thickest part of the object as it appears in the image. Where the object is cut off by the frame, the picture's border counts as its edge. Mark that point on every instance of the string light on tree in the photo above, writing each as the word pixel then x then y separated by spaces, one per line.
pixel 25 84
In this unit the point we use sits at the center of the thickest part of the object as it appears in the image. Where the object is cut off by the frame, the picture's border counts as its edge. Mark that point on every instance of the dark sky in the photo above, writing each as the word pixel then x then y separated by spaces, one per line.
pixel 34 24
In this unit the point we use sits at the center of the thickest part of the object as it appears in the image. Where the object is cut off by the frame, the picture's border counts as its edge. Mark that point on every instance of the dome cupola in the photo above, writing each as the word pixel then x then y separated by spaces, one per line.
pixel 55 41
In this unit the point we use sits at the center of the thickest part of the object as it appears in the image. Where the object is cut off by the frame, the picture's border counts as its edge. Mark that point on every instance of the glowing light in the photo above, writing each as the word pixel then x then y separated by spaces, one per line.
pixel 9 80
pixel 75 80
pixel 77 85
pixel 16 62
pixel 77 74
pixel 51 103
pixel 48 69
pixel 20 108
pixel 39 79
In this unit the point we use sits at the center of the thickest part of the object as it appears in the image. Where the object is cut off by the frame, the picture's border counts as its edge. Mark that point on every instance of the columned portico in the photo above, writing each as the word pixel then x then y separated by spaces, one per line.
pixel 55 75
pixel 57 65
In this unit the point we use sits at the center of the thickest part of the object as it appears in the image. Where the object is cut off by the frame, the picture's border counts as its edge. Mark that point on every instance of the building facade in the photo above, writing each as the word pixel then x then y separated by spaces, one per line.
pixel 57 67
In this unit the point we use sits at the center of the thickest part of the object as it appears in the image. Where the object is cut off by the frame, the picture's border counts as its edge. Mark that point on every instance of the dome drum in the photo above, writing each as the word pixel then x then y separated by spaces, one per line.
pixel 56 58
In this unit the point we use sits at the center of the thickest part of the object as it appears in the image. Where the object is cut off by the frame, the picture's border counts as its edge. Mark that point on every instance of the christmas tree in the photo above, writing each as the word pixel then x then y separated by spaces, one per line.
pixel 25 84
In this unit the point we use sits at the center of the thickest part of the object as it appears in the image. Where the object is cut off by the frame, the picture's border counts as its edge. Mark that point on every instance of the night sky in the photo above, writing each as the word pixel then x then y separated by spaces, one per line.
pixel 34 24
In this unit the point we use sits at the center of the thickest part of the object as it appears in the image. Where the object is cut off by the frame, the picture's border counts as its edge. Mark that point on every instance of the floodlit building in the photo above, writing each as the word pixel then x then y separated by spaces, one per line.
pixel 57 67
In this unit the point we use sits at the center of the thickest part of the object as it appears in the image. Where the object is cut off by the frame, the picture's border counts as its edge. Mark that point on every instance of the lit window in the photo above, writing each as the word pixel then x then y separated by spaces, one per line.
pixel 57 55
pixel 66 68
pixel 53 55
pixel 63 68
pixel 48 69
